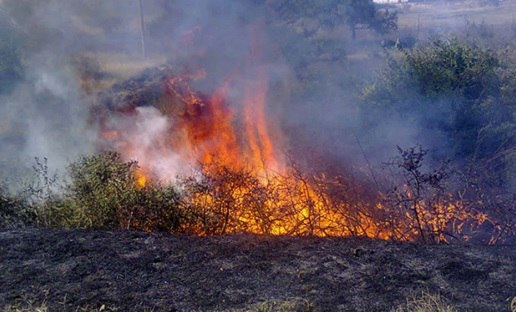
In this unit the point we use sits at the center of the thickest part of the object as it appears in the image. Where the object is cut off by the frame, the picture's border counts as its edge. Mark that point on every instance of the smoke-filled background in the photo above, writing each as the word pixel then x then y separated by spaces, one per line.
pixel 336 74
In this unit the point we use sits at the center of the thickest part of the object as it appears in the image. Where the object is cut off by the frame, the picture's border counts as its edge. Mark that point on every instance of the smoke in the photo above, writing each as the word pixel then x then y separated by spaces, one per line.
pixel 45 114
pixel 148 132
pixel 51 116
pixel 316 73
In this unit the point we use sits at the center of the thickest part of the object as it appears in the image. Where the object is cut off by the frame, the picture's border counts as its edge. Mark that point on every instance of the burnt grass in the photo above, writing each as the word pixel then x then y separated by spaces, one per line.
pixel 137 271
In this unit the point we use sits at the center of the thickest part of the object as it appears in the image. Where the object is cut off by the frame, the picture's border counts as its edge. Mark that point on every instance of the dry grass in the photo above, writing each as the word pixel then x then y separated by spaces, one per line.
pixel 124 66
pixel 31 307
pixel 456 14
pixel 287 305
pixel 425 302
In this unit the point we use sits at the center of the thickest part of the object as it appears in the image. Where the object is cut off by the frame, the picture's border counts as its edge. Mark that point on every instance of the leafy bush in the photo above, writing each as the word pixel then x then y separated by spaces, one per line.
pixel 100 187
pixel 154 208
pixel 102 192
pixel 453 67
pixel 452 90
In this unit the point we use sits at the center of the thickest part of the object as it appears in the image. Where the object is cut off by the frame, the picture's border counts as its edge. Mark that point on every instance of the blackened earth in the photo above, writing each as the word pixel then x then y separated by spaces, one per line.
pixel 136 271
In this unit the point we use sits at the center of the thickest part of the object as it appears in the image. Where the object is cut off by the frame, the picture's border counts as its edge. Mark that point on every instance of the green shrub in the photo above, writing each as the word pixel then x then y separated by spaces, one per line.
pixel 100 186
pixel 153 208
pixel 99 191
pixel 455 91
pixel 102 192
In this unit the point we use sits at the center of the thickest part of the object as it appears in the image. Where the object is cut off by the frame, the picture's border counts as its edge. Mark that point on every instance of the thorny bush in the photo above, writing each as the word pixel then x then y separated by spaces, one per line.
pixel 431 210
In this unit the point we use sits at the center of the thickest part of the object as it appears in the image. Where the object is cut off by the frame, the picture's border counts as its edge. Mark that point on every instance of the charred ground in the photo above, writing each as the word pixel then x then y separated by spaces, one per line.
pixel 129 270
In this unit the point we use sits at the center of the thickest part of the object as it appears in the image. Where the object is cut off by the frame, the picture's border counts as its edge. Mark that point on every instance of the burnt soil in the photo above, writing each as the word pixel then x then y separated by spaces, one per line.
pixel 136 271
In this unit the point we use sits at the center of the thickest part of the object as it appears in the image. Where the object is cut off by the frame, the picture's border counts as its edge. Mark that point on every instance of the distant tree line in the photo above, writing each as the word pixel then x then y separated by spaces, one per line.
pixel 356 14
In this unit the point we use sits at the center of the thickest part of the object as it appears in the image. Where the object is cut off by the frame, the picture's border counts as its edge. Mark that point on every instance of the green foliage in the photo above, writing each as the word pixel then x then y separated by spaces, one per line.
pixel 100 186
pixel 453 67
pixel 453 89
pixel 153 208
pixel 102 193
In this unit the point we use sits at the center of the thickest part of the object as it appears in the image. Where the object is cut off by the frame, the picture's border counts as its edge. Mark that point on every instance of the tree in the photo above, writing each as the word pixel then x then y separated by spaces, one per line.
pixel 365 14
pixel 356 14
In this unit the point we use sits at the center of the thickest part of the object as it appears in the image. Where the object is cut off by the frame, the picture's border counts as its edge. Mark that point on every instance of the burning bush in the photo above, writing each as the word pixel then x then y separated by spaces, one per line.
pixel 425 204
pixel 242 180
pixel 103 191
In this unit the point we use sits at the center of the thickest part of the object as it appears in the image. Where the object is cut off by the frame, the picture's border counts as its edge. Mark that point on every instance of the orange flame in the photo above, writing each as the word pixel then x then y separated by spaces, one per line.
pixel 141 178
pixel 217 130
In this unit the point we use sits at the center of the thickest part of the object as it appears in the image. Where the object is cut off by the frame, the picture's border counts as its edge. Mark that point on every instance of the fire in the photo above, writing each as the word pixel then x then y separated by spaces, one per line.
pixel 220 131
pixel 229 137
pixel 141 178
pixel 246 184
pixel 261 148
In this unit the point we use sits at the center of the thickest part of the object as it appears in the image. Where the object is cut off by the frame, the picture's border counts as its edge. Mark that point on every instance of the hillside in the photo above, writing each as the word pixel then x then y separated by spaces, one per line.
pixel 136 271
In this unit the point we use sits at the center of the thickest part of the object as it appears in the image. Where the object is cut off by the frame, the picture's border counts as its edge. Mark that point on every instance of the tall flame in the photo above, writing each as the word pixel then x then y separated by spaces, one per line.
pixel 231 128
pixel 224 130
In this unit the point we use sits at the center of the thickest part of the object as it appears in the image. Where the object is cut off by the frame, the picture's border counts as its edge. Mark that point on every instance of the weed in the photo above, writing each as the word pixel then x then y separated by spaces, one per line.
pixel 425 302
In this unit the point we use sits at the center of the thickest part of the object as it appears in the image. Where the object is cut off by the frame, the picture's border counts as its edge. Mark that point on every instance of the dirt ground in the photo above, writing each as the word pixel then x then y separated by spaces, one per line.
pixel 135 271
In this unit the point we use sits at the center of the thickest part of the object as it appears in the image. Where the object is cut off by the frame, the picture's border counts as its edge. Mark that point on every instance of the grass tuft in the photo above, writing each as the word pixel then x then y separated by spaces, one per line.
pixel 287 305
pixel 425 302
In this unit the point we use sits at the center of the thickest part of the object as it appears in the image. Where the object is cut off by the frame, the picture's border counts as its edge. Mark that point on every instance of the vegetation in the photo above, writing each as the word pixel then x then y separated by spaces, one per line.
pixel 289 305
pixel 101 191
pixel 459 92
pixel 426 302
pixel 354 14
pixel 13 210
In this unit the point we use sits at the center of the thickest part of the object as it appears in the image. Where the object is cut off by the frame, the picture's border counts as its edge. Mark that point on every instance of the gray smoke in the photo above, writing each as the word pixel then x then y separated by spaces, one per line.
pixel 314 89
